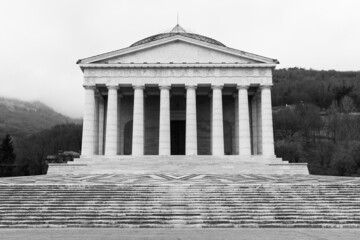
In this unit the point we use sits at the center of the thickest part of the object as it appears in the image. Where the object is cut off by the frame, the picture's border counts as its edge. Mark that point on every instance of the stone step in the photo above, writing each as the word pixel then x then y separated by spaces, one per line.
pixel 212 190
pixel 174 202
pixel 160 223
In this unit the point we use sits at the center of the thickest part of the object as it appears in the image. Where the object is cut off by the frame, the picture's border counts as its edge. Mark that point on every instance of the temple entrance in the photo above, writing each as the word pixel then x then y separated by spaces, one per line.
pixel 178 137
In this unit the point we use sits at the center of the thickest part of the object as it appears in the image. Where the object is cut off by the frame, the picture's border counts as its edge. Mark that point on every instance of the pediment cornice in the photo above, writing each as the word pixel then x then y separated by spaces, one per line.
pixel 178 65
pixel 153 44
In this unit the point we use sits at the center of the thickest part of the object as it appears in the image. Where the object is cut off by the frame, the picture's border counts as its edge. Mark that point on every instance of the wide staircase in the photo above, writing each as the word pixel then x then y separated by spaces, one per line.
pixel 194 200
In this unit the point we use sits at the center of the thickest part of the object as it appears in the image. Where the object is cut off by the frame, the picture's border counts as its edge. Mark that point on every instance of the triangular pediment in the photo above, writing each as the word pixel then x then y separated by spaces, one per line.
pixel 178 49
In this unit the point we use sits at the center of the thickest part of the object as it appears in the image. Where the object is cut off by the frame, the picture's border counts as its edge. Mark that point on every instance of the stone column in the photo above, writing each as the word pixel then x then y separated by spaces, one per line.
pixel 191 125
pixel 112 122
pixel 244 122
pixel 236 127
pixel 120 133
pixel 254 124
pixel 164 124
pixel 217 122
pixel 101 126
pixel 267 122
pixel 96 125
pixel 88 138
pixel 138 121
pixel 259 123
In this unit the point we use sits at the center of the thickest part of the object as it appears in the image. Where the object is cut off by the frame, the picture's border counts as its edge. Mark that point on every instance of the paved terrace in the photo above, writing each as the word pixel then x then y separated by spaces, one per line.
pixel 131 179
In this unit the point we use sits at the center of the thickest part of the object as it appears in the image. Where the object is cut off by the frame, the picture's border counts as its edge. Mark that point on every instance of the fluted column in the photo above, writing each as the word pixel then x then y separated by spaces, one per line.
pixel 88 138
pixel 112 122
pixel 101 127
pixel 164 125
pixel 191 126
pixel 259 123
pixel 120 143
pixel 254 124
pixel 236 127
pixel 244 122
pixel 267 122
pixel 138 121
pixel 217 122
pixel 96 125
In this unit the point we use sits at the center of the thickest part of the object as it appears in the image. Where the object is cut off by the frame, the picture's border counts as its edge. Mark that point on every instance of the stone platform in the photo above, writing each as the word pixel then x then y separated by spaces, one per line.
pixel 180 201
pixel 201 164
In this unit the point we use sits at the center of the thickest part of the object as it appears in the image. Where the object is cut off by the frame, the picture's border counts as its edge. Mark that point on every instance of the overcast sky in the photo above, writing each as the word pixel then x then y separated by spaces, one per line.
pixel 41 40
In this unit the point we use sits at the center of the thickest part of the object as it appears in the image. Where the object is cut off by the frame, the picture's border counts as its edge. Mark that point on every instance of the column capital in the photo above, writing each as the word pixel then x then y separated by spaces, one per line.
pixel 112 86
pixel 190 86
pixel 138 86
pixel 164 87
pixel 217 87
pixel 242 87
pixel 89 87
pixel 266 86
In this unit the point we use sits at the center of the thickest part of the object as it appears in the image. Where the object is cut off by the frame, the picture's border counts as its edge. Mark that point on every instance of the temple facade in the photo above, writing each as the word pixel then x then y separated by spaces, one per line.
pixel 177 93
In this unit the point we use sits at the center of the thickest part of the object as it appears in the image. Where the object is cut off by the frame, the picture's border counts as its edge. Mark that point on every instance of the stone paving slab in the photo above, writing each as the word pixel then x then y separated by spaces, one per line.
pixel 120 179
pixel 179 234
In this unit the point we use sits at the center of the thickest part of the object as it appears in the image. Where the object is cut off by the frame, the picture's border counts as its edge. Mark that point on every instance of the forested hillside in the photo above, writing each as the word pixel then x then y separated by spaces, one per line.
pixel 317 120
pixel 31 151
pixel 21 119
pixel 321 88
pixel 36 130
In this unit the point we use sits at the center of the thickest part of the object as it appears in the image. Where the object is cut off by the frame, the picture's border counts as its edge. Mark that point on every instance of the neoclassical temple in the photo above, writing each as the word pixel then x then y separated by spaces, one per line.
pixel 178 93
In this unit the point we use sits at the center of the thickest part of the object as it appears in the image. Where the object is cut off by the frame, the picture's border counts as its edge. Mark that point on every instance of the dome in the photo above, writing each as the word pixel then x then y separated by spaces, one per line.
pixel 178 30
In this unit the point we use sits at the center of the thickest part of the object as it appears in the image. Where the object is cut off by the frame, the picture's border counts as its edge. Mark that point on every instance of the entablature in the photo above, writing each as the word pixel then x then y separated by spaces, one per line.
pixel 175 71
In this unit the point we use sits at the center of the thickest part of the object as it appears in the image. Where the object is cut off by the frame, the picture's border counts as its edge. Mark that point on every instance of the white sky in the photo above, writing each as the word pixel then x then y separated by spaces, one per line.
pixel 41 40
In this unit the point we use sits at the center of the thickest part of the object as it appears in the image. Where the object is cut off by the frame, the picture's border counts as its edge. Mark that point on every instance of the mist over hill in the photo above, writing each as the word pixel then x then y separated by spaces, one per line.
pixel 21 118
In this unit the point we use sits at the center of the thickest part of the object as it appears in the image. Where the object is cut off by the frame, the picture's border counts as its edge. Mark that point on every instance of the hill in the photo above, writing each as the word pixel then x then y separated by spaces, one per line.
pixel 21 118
pixel 321 88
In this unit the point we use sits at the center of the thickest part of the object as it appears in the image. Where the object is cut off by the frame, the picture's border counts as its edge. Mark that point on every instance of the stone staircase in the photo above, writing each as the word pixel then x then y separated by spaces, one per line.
pixel 167 201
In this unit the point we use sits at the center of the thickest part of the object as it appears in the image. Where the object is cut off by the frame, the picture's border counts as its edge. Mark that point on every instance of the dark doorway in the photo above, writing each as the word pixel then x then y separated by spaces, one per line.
pixel 128 138
pixel 177 137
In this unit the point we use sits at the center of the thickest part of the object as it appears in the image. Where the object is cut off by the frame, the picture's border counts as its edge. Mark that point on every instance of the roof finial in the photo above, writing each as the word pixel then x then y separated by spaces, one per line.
pixel 177 28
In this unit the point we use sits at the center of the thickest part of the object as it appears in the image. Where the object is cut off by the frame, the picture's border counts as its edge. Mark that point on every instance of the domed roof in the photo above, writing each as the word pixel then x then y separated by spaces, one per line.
pixel 178 30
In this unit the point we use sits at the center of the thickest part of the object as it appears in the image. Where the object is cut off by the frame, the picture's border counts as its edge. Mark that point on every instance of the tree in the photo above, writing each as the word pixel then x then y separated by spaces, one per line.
pixel 310 121
pixel 7 157
pixel 7 154
pixel 286 123
pixel 343 162
pixel 342 90
pixel 347 105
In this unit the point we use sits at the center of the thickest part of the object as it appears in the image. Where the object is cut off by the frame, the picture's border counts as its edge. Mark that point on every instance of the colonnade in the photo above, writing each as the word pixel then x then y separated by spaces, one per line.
pixel 258 140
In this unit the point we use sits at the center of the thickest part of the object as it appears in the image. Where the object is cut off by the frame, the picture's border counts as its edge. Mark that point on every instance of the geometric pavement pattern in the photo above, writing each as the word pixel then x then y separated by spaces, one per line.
pixel 120 179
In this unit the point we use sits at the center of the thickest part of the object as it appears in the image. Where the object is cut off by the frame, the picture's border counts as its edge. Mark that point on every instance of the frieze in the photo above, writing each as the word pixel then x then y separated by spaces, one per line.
pixel 176 72
pixel 128 81
pixel 249 71
pixel 262 72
